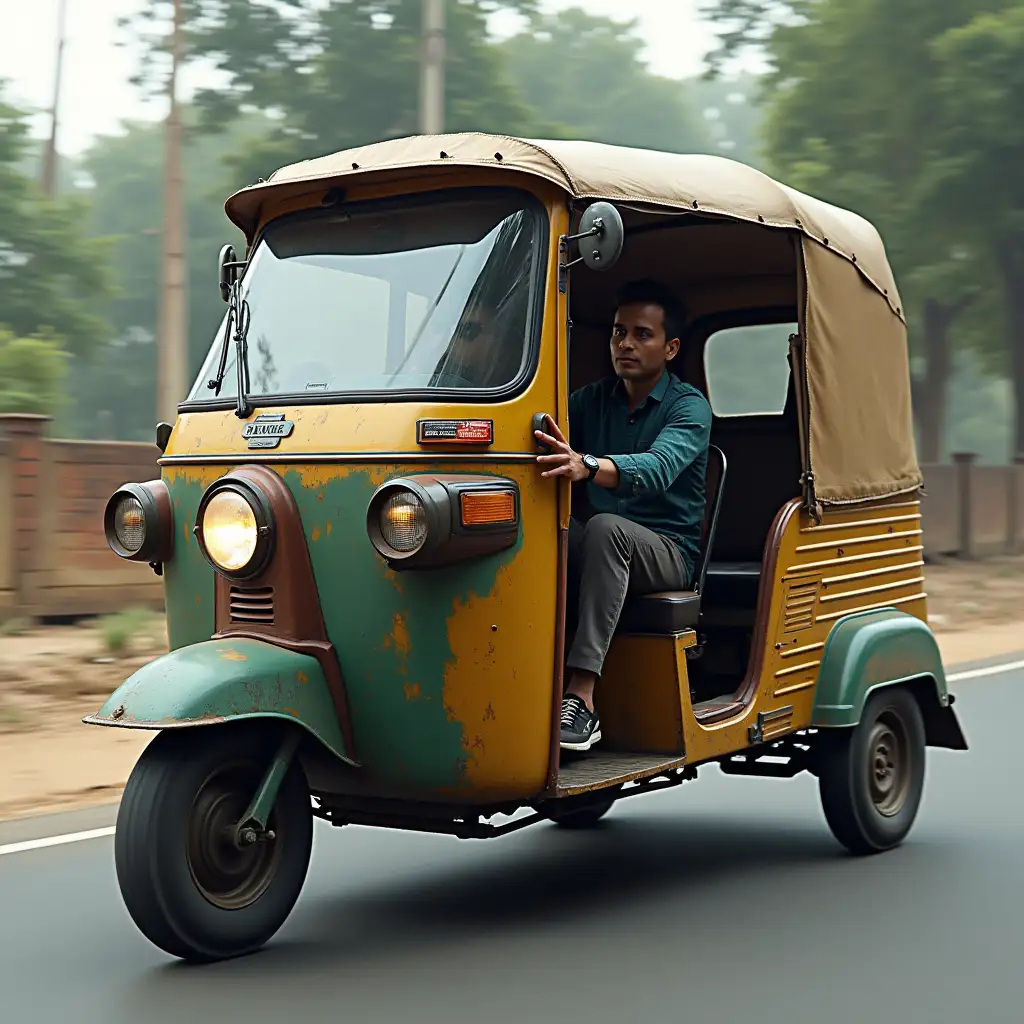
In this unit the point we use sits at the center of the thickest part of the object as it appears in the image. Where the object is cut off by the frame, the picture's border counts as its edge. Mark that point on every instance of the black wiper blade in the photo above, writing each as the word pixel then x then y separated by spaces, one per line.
pixel 222 366
pixel 242 408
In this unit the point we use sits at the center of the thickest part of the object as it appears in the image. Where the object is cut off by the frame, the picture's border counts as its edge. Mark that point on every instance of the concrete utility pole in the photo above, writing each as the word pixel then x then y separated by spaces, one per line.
pixel 432 81
pixel 49 169
pixel 172 328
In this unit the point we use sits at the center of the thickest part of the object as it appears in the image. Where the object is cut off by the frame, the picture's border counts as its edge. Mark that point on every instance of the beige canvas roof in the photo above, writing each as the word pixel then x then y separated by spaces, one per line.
pixel 861 437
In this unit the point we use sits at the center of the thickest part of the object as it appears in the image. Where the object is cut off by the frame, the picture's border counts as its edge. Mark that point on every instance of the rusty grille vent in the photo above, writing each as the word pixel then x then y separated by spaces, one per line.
pixel 255 605
pixel 800 603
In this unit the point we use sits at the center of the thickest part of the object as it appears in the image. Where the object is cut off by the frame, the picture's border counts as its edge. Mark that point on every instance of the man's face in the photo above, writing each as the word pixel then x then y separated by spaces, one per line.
pixel 640 348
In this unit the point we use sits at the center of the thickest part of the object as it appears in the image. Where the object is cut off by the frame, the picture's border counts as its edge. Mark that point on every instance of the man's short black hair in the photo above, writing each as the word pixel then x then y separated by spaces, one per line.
pixel 653 293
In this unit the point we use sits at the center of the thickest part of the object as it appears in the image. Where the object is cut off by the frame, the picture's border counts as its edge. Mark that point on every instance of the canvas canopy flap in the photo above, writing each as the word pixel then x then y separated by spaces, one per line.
pixel 858 382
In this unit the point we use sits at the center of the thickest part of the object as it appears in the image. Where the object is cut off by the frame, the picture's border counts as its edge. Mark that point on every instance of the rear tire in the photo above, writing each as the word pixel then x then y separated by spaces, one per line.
pixel 871 777
pixel 189 889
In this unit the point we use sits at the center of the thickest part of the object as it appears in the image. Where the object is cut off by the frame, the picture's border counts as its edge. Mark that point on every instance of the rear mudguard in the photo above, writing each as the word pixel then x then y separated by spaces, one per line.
pixel 886 647
pixel 225 681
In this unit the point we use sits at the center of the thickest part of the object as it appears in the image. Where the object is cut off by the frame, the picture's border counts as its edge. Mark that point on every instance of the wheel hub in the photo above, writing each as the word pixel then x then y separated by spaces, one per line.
pixel 231 874
pixel 888 765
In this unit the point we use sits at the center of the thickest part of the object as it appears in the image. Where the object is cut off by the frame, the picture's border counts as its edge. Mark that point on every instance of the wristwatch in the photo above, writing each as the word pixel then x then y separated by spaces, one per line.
pixel 592 466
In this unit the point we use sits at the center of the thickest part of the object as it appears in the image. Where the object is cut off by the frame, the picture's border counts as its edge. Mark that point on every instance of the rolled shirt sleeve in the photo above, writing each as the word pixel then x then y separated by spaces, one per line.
pixel 686 434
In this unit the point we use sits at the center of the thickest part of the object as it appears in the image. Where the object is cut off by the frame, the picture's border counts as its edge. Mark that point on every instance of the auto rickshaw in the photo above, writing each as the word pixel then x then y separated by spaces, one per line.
pixel 365 574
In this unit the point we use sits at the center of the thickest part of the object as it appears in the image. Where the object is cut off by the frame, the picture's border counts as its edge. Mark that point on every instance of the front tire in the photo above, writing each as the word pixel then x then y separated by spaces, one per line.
pixel 189 889
pixel 871 777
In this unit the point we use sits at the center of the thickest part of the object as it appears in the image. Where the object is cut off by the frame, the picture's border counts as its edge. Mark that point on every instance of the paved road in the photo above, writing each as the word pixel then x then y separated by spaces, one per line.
pixel 723 901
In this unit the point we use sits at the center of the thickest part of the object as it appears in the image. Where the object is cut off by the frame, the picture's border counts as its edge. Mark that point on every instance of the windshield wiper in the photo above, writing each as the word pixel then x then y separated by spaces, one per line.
pixel 238 318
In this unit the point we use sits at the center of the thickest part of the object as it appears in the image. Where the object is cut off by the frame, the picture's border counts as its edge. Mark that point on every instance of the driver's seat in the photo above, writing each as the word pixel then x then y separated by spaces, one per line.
pixel 678 610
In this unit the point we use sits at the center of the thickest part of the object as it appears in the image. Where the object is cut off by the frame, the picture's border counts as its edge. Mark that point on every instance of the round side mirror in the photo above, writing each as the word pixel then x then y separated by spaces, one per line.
pixel 602 222
pixel 228 272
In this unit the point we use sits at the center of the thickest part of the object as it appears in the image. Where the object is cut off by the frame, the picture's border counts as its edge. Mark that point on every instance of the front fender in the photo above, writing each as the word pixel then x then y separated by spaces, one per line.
pixel 884 648
pixel 226 680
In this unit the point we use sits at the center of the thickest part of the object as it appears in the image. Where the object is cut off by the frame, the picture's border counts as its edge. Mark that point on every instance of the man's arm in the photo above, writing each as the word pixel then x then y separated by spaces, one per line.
pixel 683 438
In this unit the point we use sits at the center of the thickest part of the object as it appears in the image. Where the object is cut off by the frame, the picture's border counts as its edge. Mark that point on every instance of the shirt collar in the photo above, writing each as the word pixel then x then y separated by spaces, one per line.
pixel 657 394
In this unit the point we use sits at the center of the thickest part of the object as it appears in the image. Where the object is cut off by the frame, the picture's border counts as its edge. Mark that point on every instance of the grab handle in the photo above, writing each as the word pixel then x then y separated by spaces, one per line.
pixel 540 422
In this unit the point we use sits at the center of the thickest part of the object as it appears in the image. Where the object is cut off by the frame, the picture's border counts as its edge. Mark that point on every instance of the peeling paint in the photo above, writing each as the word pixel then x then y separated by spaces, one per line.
pixel 230 654
pixel 315 534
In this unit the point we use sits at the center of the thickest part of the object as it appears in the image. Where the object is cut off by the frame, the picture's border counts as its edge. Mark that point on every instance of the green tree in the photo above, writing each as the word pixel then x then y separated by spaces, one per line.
pixel 851 93
pixel 114 390
pixel 585 76
pixel 52 275
pixel 338 73
pixel 979 182
pixel 31 373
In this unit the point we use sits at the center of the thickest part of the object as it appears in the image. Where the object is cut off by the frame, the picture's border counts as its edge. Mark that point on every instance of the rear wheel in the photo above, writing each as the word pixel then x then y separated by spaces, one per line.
pixel 190 888
pixel 871 777
pixel 577 816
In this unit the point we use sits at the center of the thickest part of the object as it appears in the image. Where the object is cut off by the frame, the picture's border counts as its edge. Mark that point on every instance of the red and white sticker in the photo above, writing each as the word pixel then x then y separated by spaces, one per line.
pixel 455 431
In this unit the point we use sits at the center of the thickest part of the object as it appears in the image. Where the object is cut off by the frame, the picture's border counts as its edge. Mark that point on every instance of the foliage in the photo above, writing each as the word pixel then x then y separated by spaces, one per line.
pixel 52 276
pixel 561 59
pixel 121 630
pixel 337 73
pixel 32 373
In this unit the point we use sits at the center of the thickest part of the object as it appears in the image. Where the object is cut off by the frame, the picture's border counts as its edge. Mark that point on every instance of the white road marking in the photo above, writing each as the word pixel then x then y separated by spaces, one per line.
pixel 42 844
pixel 981 673
pixel 101 833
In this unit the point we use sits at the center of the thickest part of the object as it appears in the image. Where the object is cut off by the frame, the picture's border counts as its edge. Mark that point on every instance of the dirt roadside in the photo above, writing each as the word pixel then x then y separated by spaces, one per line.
pixel 50 677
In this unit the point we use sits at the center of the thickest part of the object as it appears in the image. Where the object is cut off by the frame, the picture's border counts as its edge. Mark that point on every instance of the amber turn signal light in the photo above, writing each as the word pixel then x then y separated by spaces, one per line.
pixel 487 508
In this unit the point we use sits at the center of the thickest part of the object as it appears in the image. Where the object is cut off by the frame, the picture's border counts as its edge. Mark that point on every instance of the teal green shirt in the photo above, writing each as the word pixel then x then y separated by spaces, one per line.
pixel 660 449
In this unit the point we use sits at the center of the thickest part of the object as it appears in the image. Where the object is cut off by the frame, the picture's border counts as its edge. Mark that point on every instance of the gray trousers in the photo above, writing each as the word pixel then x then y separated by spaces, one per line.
pixel 611 558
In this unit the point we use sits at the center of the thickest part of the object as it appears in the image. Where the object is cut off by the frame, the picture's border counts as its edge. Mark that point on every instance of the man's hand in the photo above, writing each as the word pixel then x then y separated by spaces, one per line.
pixel 562 461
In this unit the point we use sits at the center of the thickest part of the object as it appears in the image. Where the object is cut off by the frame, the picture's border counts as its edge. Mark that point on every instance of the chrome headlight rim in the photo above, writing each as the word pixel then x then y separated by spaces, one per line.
pixel 263 513
pixel 158 528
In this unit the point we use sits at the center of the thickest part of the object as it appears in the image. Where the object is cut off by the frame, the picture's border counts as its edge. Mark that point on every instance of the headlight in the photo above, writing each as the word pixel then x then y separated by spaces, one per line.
pixel 403 522
pixel 230 532
pixel 138 522
pixel 233 526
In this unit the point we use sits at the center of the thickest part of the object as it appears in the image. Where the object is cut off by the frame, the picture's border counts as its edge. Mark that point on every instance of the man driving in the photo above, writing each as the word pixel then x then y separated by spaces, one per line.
pixel 640 443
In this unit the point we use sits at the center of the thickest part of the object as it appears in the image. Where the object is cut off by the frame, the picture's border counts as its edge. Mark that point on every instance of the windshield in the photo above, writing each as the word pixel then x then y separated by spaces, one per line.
pixel 435 294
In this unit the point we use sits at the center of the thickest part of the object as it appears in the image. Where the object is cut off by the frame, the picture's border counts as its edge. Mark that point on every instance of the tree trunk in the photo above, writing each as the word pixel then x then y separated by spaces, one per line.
pixel 931 391
pixel 1011 266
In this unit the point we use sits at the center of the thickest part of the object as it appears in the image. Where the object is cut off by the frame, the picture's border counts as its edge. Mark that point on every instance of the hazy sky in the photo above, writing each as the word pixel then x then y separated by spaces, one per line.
pixel 96 94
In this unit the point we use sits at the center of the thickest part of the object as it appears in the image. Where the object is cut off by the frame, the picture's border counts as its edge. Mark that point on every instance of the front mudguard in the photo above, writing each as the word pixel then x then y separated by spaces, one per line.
pixel 225 681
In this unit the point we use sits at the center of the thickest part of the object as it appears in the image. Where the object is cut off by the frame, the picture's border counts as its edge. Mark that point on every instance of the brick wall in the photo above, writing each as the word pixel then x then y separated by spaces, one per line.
pixel 54 560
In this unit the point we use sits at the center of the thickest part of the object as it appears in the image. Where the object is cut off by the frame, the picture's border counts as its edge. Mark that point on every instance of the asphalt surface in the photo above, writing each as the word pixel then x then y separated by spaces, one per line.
pixel 726 900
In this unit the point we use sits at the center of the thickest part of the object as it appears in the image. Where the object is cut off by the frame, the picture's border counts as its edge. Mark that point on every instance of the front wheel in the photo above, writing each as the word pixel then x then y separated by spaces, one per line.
pixel 871 777
pixel 188 886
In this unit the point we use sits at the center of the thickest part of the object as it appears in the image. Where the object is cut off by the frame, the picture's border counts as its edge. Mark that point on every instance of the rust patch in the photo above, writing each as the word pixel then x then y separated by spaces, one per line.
pixel 330 527
pixel 316 534
pixel 400 635
pixel 302 677
pixel 413 692
pixel 294 712
pixel 230 654
pixel 489 715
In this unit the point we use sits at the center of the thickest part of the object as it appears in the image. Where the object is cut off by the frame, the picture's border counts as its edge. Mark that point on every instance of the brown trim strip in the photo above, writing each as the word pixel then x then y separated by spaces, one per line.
pixel 744 695
pixel 554 755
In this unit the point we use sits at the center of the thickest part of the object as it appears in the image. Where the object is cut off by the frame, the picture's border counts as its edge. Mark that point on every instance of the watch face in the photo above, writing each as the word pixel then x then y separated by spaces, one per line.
pixel 591 463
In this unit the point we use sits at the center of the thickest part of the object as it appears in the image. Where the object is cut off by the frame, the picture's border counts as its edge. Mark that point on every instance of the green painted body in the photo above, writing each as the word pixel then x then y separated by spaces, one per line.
pixel 872 649
pixel 226 680
pixel 391 632
pixel 188 577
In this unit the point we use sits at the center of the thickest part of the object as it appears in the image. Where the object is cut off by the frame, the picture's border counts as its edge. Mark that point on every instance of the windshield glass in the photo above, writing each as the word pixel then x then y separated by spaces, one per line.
pixel 431 294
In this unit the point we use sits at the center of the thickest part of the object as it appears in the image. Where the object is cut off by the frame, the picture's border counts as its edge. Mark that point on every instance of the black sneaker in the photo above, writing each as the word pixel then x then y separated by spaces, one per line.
pixel 581 727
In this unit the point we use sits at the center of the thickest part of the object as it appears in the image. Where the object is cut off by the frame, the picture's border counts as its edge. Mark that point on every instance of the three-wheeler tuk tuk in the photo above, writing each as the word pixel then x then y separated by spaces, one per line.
pixel 365 572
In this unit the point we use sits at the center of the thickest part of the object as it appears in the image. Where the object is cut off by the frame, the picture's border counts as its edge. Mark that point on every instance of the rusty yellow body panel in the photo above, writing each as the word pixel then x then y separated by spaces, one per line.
pixel 854 560
pixel 448 672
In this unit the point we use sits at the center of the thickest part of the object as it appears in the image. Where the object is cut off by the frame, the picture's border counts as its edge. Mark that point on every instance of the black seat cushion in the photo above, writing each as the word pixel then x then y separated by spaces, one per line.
pixel 669 612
